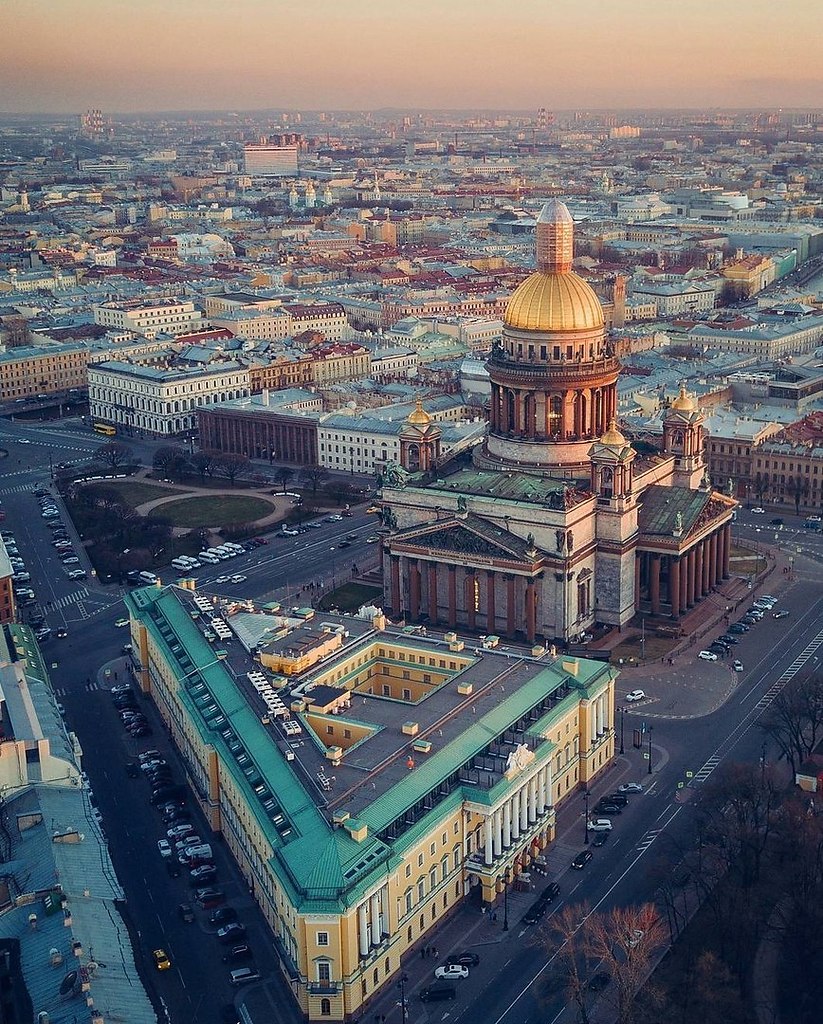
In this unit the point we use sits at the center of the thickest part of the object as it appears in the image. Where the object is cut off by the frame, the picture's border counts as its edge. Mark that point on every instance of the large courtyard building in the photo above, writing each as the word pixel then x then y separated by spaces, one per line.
pixel 559 524
pixel 366 781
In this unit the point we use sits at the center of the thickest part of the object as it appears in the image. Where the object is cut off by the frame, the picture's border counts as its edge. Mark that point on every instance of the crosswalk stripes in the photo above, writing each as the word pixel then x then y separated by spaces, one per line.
pixel 707 769
pixel 648 838
pixel 95 684
pixel 69 599
pixel 61 691
pixel 18 489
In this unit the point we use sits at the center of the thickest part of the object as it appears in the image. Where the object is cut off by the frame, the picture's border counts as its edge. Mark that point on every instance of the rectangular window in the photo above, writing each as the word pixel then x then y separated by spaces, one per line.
pixel 322 938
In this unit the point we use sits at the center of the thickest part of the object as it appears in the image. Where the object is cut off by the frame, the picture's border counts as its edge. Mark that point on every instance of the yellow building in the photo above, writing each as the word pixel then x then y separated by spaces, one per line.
pixel 44 370
pixel 381 789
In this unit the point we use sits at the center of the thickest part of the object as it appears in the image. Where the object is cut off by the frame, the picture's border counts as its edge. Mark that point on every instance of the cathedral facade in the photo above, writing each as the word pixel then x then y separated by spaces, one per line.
pixel 559 523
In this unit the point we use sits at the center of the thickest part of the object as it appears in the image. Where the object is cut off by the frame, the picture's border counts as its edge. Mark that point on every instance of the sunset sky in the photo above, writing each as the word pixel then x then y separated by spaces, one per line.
pixel 146 55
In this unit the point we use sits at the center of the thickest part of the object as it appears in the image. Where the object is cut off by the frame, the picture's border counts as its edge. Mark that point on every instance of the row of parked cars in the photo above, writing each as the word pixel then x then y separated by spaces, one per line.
pixel 183 849
pixel 60 540
pixel 601 827
pixel 724 645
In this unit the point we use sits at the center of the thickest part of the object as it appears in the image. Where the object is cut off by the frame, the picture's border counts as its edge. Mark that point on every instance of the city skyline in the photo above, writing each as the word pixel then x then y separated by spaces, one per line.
pixel 194 56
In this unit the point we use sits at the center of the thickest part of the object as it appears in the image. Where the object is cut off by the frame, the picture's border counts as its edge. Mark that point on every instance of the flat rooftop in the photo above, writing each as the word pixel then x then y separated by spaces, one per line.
pixel 384 722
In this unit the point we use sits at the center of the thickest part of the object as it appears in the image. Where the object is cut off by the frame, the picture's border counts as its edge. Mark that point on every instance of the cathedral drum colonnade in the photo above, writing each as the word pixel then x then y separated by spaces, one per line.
pixel 559 523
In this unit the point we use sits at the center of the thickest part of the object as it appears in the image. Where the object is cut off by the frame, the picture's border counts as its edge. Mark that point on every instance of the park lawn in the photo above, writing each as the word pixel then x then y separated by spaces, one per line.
pixel 133 492
pixel 213 510
pixel 351 596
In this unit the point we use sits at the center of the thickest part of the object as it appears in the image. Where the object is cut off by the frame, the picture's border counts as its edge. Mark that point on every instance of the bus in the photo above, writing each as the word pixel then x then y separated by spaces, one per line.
pixel 105 428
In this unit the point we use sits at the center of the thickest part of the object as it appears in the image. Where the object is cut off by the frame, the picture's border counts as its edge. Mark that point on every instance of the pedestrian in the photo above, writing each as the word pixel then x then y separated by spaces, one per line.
pixel 494 917
pixel 483 909
pixel 422 953
pixel 434 951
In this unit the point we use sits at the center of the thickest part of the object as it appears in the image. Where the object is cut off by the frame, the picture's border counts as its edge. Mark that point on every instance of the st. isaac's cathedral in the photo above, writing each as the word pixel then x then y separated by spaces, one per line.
pixel 559 523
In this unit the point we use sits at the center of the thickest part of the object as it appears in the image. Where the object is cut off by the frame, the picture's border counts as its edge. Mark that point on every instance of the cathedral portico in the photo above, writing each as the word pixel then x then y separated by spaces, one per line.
pixel 559 524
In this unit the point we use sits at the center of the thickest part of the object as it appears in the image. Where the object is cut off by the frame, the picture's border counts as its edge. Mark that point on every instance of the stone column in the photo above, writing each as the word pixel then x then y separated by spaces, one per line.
pixel 706 563
pixel 531 612
pixel 488 856
pixel 507 824
pixel 698 571
pixel 524 808
pixel 518 412
pixel 468 587
pixel 452 597
pixel 533 800
pixel 638 561
pixel 718 561
pixel 654 583
pixel 727 549
pixel 414 589
pixel 395 585
pixel 674 585
pixel 511 608
pixel 515 812
pixel 578 414
pixel 375 920
pixel 498 833
pixel 713 561
pixel 363 929
pixel 684 583
pixel 433 593
pixel 490 608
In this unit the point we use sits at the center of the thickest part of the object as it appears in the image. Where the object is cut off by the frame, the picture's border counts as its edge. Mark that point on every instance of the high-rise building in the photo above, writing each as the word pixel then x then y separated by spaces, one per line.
pixel 273 157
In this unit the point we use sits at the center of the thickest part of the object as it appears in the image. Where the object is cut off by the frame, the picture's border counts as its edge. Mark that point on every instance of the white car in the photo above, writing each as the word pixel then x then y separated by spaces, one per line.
pixel 451 971
pixel 599 825
pixel 164 846
pixel 630 787
pixel 121 622
pixel 238 579
pixel 222 579
pixel 635 695
pixel 737 666
pixel 707 656
pixel 758 511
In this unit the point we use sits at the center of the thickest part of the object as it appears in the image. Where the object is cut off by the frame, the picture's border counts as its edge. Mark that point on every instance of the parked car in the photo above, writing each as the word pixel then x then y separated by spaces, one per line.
pixel 582 859
pixel 781 614
pixel 737 666
pixel 607 807
pixel 186 912
pixel 233 932
pixel 599 825
pixel 238 953
pixel 707 656
pixel 464 959
pixel 164 847
pixel 600 838
pixel 635 695
pixel 209 897
pixel 630 787
pixel 223 915
pixel 617 798
pixel 451 972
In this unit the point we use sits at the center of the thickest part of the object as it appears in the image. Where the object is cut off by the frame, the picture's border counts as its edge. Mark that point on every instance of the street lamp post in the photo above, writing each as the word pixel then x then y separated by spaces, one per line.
pixel 506 901
pixel 650 750
pixel 586 821
pixel 622 716
pixel 401 984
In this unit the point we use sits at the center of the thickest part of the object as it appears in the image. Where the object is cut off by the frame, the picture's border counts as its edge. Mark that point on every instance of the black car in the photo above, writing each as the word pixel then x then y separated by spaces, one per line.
pixel 464 959
pixel 777 521
pixel 223 915
pixel 186 912
pixel 607 807
pixel 720 649
pixel 241 952
pixel 172 867
pixel 617 798
pixel 551 892
pixel 729 638
pixel 535 911
pixel 132 770
pixel 597 982
pixel 738 628
pixel 582 859
pixel 600 838
pixel 231 933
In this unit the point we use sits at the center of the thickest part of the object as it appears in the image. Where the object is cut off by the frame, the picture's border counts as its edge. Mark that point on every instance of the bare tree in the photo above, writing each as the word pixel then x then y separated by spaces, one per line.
pixel 615 950
pixel 170 459
pixel 314 475
pixel 283 475
pixel 231 465
pixel 113 454
pixel 795 719
pixel 204 462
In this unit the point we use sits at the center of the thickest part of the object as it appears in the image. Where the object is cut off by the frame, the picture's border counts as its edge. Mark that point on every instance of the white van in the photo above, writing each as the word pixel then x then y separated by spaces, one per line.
pixel 147 578
pixel 222 553
pixel 209 557
pixel 180 563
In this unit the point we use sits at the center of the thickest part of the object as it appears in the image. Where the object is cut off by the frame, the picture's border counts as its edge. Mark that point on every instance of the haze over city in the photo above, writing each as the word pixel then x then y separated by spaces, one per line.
pixel 201 54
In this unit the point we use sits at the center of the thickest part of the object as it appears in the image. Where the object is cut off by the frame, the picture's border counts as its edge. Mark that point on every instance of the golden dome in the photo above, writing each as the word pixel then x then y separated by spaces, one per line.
pixel 552 301
pixel 613 435
pixel 419 418
pixel 684 402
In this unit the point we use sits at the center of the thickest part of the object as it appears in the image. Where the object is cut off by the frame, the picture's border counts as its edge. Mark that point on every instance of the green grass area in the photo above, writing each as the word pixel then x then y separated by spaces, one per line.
pixel 133 492
pixel 351 596
pixel 632 649
pixel 213 510
pixel 745 562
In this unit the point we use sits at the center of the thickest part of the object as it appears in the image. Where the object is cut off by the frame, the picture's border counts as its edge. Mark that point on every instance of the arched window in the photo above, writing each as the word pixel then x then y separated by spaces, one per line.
pixel 325 1007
